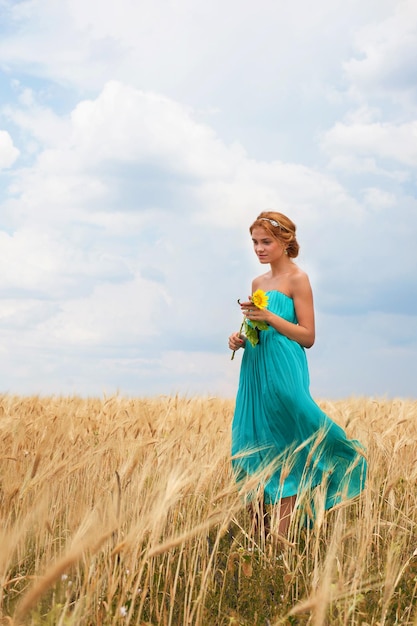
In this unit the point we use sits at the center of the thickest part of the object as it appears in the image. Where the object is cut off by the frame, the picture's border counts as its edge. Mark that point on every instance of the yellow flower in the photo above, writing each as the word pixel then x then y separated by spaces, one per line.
pixel 260 299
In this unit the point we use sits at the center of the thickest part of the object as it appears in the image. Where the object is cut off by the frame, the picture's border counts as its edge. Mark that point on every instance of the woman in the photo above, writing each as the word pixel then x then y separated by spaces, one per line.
pixel 277 426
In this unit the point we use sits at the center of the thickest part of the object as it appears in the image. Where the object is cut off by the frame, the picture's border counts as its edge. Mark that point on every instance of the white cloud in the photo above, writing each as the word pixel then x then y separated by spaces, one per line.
pixel 378 133
pixel 379 200
pixel 126 124
pixel 357 164
pixel 49 263
pixel 8 152
pixel 387 51
pixel 38 121
pixel 121 315
pixel 379 140
pixel 125 127
pixel 225 55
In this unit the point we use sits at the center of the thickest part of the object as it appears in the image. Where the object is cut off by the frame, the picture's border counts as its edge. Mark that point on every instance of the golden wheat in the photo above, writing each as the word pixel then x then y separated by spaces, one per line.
pixel 125 511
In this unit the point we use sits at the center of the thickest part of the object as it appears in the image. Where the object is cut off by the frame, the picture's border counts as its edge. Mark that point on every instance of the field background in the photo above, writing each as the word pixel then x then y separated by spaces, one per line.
pixel 124 511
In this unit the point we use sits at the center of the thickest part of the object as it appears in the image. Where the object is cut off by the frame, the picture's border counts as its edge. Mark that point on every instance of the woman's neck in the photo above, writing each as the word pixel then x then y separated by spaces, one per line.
pixel 282 266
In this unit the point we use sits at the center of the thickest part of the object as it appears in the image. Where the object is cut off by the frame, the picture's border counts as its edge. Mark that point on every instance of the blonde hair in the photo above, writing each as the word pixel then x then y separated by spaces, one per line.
pixel 280 227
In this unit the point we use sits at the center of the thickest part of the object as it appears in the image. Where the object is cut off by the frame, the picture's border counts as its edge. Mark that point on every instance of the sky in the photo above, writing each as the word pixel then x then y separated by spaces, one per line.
pixel 138 142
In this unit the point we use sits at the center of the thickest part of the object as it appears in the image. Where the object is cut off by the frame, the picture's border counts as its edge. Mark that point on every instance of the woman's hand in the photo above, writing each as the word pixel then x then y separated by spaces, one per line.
pixel 236 341
pixel 252 312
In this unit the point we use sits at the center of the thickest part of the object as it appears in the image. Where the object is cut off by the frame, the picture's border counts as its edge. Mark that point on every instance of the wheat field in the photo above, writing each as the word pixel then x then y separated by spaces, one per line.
pixel 125 511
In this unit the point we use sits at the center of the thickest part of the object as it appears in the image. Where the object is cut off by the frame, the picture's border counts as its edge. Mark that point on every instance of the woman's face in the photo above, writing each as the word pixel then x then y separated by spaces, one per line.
pixel 267 248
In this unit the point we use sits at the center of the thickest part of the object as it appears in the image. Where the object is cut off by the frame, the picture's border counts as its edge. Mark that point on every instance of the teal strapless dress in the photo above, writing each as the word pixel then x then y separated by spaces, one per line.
pixel 277 424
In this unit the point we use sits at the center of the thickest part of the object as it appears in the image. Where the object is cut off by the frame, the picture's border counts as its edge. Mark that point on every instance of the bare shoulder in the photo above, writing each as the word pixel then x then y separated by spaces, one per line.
pixel 259 281
pixel 299 281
